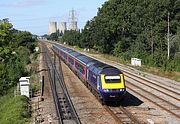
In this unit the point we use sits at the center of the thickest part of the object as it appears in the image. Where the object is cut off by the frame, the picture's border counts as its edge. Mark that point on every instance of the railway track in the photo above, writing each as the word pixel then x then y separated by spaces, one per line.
pixel 153 78
pixel 158 87
pixel 169 91
pixel 170 105
pixel 122 115
pixel 64 107
pixel 119 113
pixel 172 93
pixel 158 101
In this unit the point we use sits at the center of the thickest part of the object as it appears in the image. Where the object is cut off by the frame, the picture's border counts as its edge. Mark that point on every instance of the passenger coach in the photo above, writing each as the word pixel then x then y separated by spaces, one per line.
pixel 105 80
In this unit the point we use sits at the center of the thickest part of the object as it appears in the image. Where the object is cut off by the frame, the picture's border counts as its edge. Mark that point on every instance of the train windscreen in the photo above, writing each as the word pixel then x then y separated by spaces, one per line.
pixel 112 79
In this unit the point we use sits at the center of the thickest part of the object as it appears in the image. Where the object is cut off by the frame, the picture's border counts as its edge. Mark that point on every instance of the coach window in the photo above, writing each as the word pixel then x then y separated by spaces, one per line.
pixel 71 61
pixel 80 68
pixel 65 55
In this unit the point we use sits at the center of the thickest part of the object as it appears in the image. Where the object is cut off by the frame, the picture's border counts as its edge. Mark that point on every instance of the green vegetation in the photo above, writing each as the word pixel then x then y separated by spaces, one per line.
pixel 128 28
pixel 71 37
pixel 53 36
pixel 14 110
pixel 15 50
pixel 33 68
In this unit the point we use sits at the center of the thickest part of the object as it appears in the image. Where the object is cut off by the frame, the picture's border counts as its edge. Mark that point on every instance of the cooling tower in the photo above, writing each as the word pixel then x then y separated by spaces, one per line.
pixel 62 27
pixel 52 27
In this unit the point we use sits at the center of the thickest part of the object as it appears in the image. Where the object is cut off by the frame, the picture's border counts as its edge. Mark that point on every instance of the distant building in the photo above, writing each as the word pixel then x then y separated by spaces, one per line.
pixel 62 27
pixel 52 27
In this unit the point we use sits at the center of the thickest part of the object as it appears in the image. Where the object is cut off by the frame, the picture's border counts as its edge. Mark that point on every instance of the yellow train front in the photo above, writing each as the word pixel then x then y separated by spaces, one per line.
pixel 110 81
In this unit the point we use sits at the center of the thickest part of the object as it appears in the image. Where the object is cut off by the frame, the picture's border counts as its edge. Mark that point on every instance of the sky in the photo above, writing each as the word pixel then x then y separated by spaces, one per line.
pixel 34 15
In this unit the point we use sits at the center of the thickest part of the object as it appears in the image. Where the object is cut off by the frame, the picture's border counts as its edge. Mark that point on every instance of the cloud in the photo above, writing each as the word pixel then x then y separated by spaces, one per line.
pixel 23 3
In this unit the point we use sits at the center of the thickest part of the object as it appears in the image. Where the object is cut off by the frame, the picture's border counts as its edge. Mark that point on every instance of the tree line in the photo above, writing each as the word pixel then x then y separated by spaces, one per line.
pixel 15 49
pixel 134 28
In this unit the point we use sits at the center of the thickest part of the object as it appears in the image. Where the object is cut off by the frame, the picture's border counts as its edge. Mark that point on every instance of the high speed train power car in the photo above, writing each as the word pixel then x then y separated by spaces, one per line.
pixel 105 81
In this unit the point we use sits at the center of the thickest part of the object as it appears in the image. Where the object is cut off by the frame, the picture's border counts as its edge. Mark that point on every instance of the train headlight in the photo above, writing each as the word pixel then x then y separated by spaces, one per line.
pixel 121 90
pixel 106 90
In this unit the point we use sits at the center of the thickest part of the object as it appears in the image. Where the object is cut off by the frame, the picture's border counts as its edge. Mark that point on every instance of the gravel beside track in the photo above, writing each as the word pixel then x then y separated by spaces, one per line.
pixel 87 106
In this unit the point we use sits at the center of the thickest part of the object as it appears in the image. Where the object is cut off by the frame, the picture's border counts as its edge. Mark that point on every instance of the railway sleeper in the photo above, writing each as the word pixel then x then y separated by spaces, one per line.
pixel 62 100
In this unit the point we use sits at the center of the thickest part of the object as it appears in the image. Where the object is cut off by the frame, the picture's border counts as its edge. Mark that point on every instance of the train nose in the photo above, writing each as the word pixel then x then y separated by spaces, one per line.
pixel 113 96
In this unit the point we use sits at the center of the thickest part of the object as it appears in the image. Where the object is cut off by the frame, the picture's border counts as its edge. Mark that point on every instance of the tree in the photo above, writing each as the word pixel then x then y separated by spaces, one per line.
pixel 53 36
pixel 15 49
pixel 71 38
pixel 5 32
pixel 131 28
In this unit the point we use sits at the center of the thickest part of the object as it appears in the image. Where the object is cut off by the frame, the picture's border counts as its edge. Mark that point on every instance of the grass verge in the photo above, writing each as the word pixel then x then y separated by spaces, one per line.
pixel 157 71
pixel 14 110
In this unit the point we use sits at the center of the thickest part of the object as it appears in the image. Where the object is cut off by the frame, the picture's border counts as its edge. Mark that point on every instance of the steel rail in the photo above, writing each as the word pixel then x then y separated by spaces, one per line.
pixel 148 85
pixel 154 102
pixel 155 95
pixel 119 120
pixel 133 118
pixel 64 94
pixel 163 87
pixel 51 85
pixel 62 83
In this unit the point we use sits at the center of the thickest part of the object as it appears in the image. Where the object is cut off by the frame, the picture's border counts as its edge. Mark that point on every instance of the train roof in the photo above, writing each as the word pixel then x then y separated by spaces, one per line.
pixel 64 48
pixel 85 59
pixel 60 46
pixel 74 54
pixel 68 50
pixel 55 46
pixel 99 67
pixel 92 64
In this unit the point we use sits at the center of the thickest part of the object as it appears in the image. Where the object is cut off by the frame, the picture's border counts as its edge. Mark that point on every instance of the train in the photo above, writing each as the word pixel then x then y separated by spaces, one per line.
pixel 105 81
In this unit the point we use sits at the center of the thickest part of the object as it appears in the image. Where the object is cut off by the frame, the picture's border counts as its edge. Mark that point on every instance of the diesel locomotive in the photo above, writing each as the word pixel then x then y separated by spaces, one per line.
pixel 106 82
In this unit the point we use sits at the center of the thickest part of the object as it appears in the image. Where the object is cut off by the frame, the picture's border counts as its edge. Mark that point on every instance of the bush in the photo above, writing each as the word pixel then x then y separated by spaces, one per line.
pixel 14 109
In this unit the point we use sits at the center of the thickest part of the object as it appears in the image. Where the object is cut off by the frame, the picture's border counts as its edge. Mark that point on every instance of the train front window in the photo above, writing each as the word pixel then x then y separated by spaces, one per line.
pixel 112 79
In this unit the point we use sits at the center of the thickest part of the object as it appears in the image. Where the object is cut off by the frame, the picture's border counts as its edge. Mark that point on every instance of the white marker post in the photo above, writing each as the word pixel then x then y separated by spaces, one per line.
pixel 49 118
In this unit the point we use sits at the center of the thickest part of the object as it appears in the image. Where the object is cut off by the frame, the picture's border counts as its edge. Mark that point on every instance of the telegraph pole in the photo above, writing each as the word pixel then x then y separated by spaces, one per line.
pixel 152 44
pixel 168 37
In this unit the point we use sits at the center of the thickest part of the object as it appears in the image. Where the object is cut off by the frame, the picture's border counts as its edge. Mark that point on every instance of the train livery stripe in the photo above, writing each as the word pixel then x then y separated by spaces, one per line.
pixel 112 85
